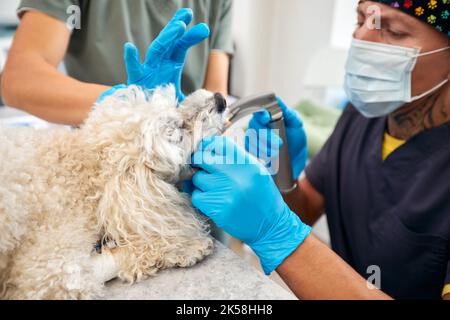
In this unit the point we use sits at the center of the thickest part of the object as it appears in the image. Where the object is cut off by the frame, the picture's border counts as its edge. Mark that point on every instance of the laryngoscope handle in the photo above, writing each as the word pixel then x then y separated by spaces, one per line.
pixel 284 177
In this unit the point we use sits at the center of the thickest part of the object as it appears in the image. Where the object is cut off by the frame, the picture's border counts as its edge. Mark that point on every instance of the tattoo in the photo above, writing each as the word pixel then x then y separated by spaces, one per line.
pixel 413 118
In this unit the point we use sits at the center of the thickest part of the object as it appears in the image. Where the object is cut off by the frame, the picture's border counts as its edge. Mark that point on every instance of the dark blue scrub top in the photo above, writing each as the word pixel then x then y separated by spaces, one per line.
pixel 393 214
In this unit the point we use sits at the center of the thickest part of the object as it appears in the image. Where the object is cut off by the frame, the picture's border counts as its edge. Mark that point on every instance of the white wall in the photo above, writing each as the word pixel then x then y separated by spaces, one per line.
pixel 278 40
pixel 253 34
pixel 275 40
pixel 344 22
pixel 8 11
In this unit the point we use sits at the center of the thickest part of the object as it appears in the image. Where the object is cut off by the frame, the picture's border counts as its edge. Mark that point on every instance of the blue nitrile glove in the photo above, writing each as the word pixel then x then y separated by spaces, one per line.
pixel 167 54
pixel 242 199
pixel 296 136
pixel 187 187
pixel 110 92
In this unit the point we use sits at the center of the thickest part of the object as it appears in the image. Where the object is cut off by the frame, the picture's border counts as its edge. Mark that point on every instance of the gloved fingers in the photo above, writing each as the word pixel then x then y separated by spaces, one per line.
pixel 119 86
pixel 132 62
pixel 192 37
pixel 207 144
pixel 204 158
pixel 165 42
pixel 199 201
pixel 291 117
pixel 187 187
pixel 300 161
pixel 214 152
pixel 263 135
pixel 227 152
pixel 110 92
pixel 184 14
pixel 223 147
pixel 264 145
pixel 260 120
pixel 217 153
pixel 204 181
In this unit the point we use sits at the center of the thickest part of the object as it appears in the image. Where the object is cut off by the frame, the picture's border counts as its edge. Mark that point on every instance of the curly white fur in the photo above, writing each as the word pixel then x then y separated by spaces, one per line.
pixel 114 179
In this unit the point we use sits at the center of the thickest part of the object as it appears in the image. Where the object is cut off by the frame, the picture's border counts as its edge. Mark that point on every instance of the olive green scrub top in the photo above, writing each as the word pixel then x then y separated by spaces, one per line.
pixel 95 52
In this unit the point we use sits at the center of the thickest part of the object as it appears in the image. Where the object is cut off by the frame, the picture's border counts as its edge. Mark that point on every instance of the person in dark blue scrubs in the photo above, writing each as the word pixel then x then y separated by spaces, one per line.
pixel 383 178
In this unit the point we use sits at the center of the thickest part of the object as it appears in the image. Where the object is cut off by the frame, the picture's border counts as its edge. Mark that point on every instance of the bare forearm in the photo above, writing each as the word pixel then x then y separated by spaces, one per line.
pixel 38 88
pixel 216 79
pixel 306 202
pixel 314 271
pixel 31 80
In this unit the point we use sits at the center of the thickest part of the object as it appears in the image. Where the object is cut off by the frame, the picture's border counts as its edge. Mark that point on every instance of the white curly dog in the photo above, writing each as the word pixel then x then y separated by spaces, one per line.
pixel 61 191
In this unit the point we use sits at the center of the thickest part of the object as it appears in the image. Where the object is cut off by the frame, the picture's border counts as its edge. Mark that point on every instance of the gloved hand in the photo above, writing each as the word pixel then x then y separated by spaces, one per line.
pixel 110 92
pixel 296 136
pixel 167 54
pixel 242 199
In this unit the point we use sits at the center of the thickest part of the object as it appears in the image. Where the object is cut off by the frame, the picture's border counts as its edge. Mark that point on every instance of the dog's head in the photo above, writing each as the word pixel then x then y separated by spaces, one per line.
pixel 152 129
pixel 144 140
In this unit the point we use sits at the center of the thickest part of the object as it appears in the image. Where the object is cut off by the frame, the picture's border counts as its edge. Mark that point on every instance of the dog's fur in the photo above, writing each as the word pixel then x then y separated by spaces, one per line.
pixel 112 180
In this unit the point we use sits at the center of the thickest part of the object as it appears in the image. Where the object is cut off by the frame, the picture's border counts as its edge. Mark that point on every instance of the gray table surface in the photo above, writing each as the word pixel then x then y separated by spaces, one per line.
pixel 221 276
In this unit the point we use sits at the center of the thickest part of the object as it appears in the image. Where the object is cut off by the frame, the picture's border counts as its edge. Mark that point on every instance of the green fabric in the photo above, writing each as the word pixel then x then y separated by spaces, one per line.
pixel 319 123
pixel 95 52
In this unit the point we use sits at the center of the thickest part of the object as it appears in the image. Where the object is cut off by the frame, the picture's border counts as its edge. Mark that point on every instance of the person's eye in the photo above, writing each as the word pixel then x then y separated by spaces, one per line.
pixel 396 34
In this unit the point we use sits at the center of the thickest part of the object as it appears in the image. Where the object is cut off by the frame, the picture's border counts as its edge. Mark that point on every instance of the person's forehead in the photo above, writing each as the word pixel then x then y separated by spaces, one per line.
pixel 387 13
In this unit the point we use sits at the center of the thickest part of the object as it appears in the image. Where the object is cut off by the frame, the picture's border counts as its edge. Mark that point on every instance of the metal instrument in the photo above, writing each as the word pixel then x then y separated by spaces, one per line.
pixel 247 106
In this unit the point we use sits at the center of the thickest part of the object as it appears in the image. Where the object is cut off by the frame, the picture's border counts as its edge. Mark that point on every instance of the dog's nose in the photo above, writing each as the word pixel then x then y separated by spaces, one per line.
pixel 221 103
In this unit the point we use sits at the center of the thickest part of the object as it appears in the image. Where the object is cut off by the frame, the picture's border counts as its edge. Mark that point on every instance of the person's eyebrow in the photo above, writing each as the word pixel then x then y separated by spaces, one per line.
pixel 396 18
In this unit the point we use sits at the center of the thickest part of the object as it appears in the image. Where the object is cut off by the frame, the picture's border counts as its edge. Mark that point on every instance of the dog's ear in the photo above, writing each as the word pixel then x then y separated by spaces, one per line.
pixel 138 206
pixel 165 147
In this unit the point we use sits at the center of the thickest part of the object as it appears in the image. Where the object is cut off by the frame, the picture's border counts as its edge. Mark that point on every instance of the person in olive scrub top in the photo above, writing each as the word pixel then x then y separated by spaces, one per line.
pixel 93 54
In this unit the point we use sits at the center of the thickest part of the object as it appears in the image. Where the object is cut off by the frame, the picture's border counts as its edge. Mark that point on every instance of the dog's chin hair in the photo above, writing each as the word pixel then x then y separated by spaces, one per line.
pixel 136 207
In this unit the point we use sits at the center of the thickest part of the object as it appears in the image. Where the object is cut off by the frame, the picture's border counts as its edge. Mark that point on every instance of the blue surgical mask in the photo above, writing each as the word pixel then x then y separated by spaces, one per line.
pixel 378 77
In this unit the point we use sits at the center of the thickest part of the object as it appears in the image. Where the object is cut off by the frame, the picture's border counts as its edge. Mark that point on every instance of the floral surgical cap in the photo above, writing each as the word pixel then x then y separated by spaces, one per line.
pixel 433 12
